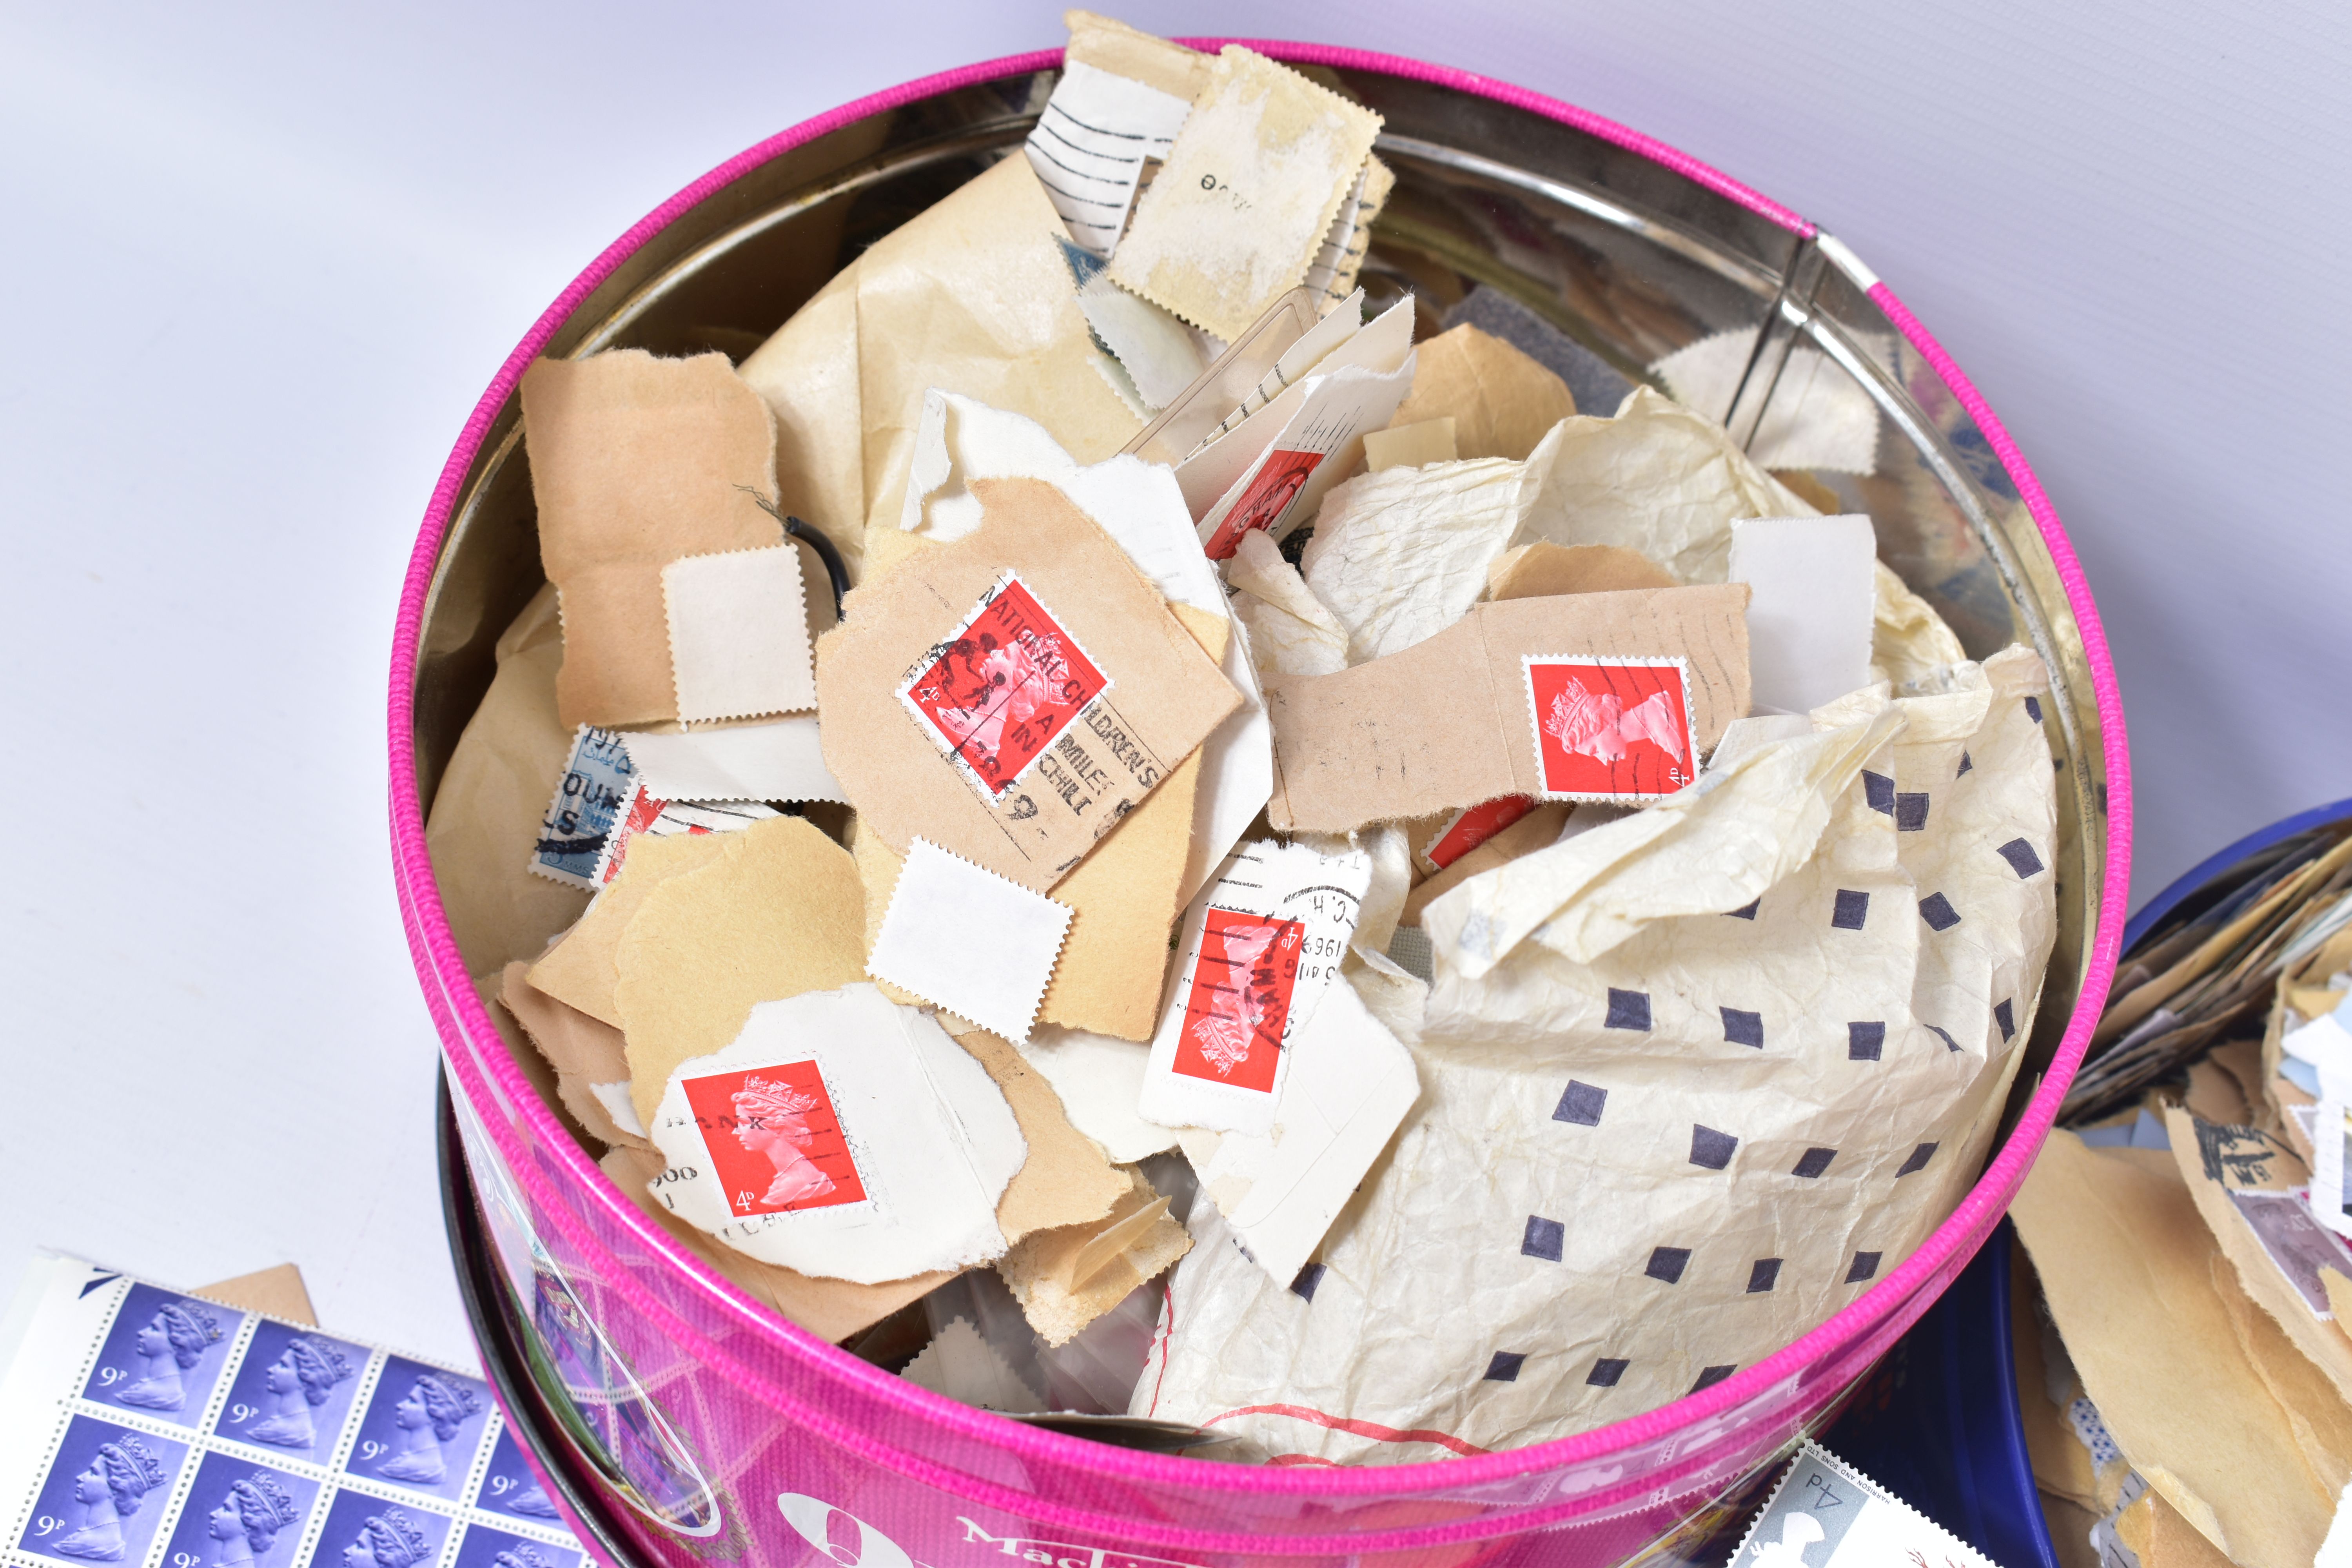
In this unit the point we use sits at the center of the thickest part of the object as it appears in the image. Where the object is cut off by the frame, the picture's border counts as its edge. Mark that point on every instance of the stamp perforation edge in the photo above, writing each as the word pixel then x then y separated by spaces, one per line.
pixel 897 890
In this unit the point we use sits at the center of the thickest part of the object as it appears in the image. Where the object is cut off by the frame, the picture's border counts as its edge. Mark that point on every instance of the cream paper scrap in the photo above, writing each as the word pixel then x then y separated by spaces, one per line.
pixel 1100 1079
pixel 1091 144
pixel 1257 954
pixel 1819 415
pixel 780 760
pixel 739 635
pixel 842 1136
pixel 969 940
pixel 1291 632
pixel 1690 1081
pixel 1401 554
pixel 1348 1085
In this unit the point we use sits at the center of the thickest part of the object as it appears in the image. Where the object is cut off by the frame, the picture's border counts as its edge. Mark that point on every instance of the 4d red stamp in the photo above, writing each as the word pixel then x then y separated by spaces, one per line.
pixel 1612 729
pixel 773 1141
pixel 1471 827
pixel 1005 684
pixel 1238 1001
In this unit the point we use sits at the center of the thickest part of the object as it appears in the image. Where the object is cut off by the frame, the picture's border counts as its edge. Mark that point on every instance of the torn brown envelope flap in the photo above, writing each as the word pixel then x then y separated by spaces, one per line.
pixel 581 970
pixel 1448 722
pixel 1064 1280
pixel 492 798
pixel 832 1310
pixel 275 1292
pixel 778 913
pixel 2124 1266
pixel 1163 694
pixel 2219 1163
pixel 1542 569
pixel 587 1054
pixel 1501 401
pixel 636 462
pixel 2315 1413
pixel 1066 1179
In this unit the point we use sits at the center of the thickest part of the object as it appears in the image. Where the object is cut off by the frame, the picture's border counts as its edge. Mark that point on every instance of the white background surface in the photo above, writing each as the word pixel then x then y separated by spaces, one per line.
pixel 261 261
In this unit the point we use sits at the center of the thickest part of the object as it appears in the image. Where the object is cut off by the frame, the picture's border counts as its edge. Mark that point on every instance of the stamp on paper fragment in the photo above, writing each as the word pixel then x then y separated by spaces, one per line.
pixel 1471 827
pixel 774 1142
pixel 1612 729
pixel 997 692
pixel 589 799
pixel 1237 1005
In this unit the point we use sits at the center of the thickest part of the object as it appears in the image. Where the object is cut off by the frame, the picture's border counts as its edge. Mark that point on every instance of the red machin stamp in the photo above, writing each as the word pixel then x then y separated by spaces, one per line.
pixel 773 1141
pixel 994 695
pixel 1615 730
pixel 1279 478
pixel 1238 1004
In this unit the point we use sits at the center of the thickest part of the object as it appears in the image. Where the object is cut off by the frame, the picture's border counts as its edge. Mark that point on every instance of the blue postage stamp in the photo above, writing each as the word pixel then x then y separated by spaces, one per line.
pixel 589 799
pixel 422 1428
pixel 509 1487
pixel 292 1392
pixel 365 1531
pixel 486 1547
pixel 104 1494
pixel 163 1354
pixel 239 1514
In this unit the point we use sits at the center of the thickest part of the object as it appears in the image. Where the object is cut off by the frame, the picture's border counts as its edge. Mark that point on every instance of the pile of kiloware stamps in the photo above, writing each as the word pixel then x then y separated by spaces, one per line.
pixel 1126 798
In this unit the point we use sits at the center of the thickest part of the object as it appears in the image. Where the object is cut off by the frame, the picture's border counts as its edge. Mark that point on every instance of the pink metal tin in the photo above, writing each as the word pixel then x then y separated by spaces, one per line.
pixel 697 1425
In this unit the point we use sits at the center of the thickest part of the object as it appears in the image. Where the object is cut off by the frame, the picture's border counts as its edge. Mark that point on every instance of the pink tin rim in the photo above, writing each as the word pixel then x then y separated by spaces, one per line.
pixel 437 958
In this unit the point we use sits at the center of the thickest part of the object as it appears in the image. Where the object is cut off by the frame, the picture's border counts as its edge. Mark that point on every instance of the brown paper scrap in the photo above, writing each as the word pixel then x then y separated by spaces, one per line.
pixel 778 913
pixel 2157 1534
pixel 2126 1266
pixel 274 1292
pixel 1067 1278
pixel 1538 829
pixel 1414 446
pixel 1163 696
pixel 1248 192
pixel 636 462
pixel 486 813
pixel 1501 401
pixel 830 1309
pixel 581 970
pixel 585 1052
pixel 1447 723
pixel 1540 570
pixel 2315 1413
pixel 1066 1180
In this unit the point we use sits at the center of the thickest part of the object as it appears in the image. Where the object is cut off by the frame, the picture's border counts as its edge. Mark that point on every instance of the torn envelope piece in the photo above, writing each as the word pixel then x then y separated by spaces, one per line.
pixel 781 759
pixel 1258 954
pixel 842 1136
pixel 1401 555
pixel 1284 487
pixel 592 1071
pixel 583 969
pixel 922 729
pixel 1100 1079
pixel 1656 479
pixel 1249 190
pixel 738 634
pixel 1502 402
pixel 1811 609
pixel 1092 141
pixel 1224 390
pixel 1454 720
pixel 636 462
pixel 969 940
pixel 778 910
pixel 650 813
pixel 1348 1085
pixel 1066 1179
pixel 1321 340
pixel 1819 415
pixel 1064 1280
pixel 590 797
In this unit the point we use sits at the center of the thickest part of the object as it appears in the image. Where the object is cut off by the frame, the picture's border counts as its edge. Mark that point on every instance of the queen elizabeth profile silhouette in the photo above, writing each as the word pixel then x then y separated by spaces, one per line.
pixel 388 1540
pixel 771 1119
pixel 118 1479
pixel 173 1341
pixel 428 1416
pixel 519 1555
pixel 246 1522
pixel 302 1377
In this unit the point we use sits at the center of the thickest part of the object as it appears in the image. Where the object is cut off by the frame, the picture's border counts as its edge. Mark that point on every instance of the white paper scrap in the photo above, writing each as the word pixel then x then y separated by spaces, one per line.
pixel 778 761
pixel 1742 736
pixel 1350 1085
pixel 1401 555
pixel 1100 1078
pixel 841 1135
pixel 1257 955
pixel 739 637
pixel 1813 598
pixel 1090 145
pixel 1819 415
pixel 969 940
pixel 961 1363
pixel 1160 355
pixel 959 439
